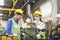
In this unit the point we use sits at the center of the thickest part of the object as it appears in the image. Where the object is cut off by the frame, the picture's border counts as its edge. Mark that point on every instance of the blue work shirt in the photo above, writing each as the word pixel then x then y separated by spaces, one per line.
pixel 9 26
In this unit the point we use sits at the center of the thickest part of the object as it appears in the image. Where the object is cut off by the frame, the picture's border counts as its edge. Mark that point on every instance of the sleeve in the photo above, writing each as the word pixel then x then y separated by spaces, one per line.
pixel 9 26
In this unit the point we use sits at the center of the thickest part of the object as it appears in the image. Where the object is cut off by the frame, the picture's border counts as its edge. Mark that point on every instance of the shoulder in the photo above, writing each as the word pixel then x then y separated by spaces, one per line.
pixel 9 20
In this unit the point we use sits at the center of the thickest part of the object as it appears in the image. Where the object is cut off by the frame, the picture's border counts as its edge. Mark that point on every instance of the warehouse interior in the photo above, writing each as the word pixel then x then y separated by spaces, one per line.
pixel 50 10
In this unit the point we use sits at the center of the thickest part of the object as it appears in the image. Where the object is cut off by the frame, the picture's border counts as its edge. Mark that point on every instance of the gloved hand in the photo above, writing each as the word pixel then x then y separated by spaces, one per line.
pixel 15 34
pixel 38 36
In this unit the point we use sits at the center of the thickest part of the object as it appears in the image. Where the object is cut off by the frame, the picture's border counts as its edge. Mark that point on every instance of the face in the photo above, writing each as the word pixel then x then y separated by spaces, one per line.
pixel 37 17
pixel 18 16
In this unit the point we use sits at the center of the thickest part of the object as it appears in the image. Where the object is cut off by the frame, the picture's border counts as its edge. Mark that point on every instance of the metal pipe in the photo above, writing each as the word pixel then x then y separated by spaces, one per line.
pixel 7 9
pixel 25 4
pixel 29 11
pixel 14 3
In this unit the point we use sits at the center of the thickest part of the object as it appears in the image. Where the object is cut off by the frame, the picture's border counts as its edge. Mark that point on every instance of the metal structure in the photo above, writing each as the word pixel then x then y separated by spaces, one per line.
pixel 10 9
pixel 7 10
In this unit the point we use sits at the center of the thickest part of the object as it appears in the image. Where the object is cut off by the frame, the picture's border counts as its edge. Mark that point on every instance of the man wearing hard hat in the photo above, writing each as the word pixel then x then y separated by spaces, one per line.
pixel 39 24
pixel 13 24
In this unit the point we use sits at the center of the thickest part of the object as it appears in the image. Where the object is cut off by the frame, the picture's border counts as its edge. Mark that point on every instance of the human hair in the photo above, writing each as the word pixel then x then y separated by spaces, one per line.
pixel 18 13
pixel 40 18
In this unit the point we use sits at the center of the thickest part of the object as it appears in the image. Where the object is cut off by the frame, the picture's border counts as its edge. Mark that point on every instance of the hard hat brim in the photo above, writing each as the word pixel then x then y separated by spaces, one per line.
pixel 37 14
pixel 19 13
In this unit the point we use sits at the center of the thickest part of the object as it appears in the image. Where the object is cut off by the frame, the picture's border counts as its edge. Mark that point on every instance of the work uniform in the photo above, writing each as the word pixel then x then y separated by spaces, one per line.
pixel 40 26
pixel 13 27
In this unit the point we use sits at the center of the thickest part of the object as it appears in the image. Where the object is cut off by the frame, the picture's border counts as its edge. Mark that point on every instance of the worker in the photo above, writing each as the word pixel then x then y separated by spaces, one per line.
pixel 39 24
pixel 13 24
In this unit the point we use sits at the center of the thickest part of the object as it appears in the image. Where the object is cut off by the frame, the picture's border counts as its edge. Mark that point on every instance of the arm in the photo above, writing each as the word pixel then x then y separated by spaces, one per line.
pixel 9 26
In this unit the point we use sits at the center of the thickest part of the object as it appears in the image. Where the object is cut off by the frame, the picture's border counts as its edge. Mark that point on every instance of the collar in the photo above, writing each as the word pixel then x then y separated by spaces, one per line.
pixel 37 23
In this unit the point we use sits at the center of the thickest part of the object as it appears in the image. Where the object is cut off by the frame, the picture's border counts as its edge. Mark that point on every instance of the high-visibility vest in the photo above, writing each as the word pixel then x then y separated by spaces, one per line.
pixel 41 26
pixel 15 28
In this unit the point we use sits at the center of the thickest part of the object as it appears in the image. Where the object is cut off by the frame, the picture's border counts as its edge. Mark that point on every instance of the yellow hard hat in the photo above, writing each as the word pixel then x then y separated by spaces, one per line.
pixel 19 11
pixel 37 13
